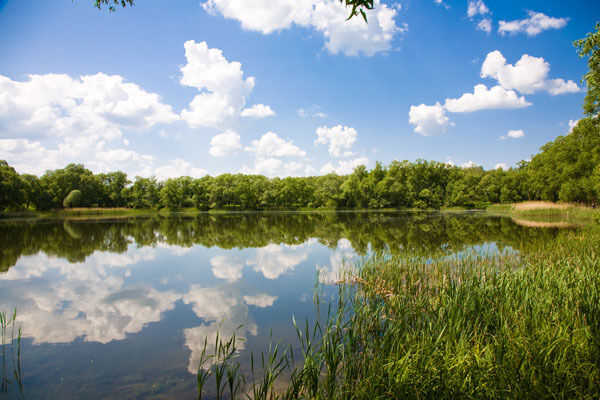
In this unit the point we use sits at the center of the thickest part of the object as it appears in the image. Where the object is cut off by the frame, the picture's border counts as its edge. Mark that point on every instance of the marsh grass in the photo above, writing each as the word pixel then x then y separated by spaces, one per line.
pixel 486 326
pixel 8 324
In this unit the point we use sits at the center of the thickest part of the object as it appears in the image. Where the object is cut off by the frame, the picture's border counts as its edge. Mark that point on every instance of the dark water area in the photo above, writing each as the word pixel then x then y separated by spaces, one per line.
pixel 121 307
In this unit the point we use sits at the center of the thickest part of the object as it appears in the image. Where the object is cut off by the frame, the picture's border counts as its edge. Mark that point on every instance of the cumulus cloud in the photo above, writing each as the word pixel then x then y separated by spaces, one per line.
pixel 227 267
pixel 56 119
pixel 329 17
pixel 476 8
pixel 268 151
pixel 176 168
pixel 429 120
pixel 501 166
pixel 483 98
pixel 271 145
pixel 261 300
pixel 223 89
pixel 532 26
pixel 340 139
pixel 344 167
pixel 90 300
pixel 273 260
pixel 257 111
pixel 513 134
pixel 224 312
pixel 527 76
pixel 224 144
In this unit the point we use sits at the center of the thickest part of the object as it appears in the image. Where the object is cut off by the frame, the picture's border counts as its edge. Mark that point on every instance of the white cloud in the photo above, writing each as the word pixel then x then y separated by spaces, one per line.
pixel 532 26
pixel 469 164
pixel 225 314
pixel 273 260
pixel 264 166
pixel 501 166
pixel 476 8
pixel 485 25
pixel 258 111
pixel 261 300
pixel 311 111
pixel 274 167
pixel 559 86
pixel 344 167
pixel 429 120
pixel 99 104
pixel 227 267
pixel 328 17
pixel 268 151
pixel 224 144
pixel 339 137
pixel 92 300
pixel 271 145
pixel 514 134
pixel 341 263
pixel 55 120
pixel 483 99
pixel 222 85
pixel 177 168
pixel 527 76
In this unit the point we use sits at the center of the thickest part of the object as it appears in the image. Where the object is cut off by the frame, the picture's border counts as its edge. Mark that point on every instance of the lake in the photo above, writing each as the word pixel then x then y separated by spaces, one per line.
pixel 121 307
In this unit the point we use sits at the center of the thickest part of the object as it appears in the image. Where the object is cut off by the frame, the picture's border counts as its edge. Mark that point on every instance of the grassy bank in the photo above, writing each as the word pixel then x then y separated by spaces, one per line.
pixel 521 325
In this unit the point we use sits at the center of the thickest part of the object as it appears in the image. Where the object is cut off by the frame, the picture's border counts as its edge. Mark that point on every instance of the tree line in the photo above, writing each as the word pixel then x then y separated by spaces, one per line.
pixel 566 169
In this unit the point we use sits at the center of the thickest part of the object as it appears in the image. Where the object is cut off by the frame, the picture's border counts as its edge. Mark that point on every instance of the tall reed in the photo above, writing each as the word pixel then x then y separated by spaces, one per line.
pixel 6 323
pixel 473 325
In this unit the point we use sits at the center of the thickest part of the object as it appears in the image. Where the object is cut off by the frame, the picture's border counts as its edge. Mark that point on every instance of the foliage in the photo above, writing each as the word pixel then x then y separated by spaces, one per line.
pixel 112 4
pixel 73 199
pixel 590 47
pixel 10 187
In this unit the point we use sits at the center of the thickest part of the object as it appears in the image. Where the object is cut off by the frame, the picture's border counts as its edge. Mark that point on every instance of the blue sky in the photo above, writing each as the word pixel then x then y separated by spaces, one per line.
pixel 285 87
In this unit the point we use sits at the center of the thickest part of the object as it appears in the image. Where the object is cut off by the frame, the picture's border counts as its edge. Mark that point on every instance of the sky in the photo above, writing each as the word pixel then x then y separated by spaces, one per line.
pixel 285 87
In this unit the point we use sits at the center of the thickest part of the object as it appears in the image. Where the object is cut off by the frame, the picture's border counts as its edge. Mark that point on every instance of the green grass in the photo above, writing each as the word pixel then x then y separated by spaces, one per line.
pixel 513 326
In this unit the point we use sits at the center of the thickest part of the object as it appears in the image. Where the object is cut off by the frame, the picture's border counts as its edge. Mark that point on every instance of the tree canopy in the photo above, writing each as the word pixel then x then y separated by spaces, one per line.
pixel 590 47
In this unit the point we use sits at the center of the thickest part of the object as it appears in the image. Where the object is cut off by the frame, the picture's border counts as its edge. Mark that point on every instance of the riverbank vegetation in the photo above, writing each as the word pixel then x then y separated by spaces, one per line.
pixel 567 170
pixel 513 325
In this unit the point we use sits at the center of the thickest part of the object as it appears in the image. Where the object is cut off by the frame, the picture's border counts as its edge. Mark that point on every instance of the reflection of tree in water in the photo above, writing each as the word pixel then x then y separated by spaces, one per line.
pixel 75 240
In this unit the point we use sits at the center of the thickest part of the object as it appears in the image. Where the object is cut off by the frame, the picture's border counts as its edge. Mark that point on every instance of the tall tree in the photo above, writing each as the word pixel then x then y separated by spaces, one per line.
pixel 590 47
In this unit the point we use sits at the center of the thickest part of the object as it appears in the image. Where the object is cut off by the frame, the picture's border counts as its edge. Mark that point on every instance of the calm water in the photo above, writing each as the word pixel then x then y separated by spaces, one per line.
pixel 120 308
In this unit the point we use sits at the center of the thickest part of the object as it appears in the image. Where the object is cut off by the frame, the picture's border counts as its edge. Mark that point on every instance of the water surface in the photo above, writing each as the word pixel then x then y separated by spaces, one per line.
pixel 121 307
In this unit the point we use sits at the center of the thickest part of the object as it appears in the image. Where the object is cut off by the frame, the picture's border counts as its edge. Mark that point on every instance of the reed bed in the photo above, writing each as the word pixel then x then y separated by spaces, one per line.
pixel 10 346
pixel 483 326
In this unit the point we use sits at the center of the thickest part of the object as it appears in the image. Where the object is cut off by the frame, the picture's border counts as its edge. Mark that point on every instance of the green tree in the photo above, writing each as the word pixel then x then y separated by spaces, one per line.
pixel 73 199
pixel 590 47
pixel 113 184
pixel 11 195
pixel 144 193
